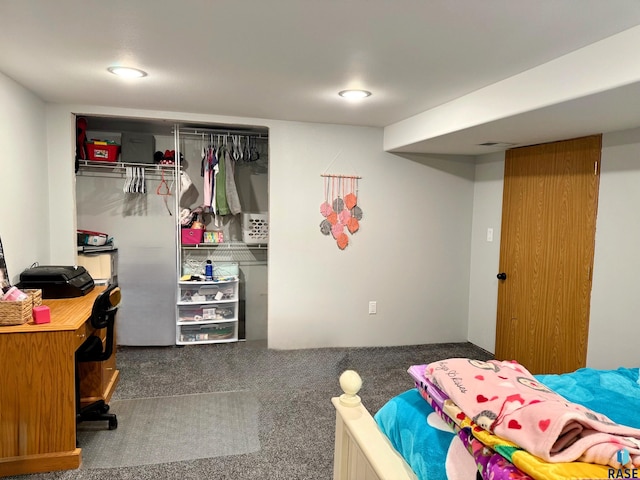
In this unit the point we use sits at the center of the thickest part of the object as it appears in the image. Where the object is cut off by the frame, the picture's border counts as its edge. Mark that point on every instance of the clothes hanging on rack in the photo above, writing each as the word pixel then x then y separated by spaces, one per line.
pixel 233 200
pixel 218 170
pixel 208 170
pixel 185 183
pixel 222 207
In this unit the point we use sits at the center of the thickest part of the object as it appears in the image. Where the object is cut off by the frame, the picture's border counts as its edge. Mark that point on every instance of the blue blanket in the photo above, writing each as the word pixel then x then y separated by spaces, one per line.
pixel 614 393
pixel 403 419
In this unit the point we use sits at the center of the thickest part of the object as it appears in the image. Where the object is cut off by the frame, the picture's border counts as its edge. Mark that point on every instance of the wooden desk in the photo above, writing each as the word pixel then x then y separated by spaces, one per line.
pixel 37 388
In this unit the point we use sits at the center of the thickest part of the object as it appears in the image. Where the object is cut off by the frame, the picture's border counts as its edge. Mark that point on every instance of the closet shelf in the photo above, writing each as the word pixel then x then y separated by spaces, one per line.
pixel 118 169
pixel 232 246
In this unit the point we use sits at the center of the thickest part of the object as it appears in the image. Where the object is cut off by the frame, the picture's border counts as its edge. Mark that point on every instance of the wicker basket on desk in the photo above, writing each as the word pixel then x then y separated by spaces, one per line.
pixel 17 313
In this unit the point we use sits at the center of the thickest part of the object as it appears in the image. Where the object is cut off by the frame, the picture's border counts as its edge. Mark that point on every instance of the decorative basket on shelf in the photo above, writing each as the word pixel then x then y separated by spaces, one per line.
pixel 20 312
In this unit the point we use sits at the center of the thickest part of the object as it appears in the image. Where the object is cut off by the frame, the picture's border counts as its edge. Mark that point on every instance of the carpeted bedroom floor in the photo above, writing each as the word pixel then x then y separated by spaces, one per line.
pixel 293 389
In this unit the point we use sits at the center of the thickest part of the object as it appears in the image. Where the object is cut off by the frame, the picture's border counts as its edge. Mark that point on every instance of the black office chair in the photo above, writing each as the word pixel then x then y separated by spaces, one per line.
pixel 103 316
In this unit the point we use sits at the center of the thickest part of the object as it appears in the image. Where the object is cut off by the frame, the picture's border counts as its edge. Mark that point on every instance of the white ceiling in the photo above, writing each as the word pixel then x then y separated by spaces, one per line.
pixel 287 59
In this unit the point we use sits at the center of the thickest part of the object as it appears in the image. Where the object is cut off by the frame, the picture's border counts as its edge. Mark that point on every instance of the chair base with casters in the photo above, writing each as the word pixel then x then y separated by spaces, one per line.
pixel 98 410
pixel 102 317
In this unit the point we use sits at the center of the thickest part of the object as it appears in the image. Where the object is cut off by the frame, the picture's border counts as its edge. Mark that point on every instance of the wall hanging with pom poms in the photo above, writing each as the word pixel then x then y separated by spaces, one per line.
pixel 340 208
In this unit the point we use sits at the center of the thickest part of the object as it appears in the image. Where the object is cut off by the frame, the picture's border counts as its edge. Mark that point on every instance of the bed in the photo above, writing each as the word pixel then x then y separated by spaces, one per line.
pixel 391 444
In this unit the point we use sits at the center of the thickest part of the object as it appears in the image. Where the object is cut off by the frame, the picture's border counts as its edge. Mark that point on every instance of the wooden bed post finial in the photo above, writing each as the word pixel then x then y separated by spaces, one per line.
pixel 350 382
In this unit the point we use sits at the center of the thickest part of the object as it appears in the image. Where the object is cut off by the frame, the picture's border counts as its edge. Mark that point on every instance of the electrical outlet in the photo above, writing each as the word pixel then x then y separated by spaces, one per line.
pixel 373 307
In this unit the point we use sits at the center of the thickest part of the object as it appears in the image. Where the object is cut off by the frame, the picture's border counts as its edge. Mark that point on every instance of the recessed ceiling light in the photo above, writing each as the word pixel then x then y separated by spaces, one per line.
pixel 354 93
pixel 127 72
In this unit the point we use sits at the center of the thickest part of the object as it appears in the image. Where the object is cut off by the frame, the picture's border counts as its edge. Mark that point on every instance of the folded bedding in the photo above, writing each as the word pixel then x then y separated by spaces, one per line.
pixel 504 399
pixel 516 462
pixel 490 464
pixel 435 449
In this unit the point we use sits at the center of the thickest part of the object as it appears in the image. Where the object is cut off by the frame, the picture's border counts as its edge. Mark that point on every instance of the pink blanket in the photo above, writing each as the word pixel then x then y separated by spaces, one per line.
pixel 505 399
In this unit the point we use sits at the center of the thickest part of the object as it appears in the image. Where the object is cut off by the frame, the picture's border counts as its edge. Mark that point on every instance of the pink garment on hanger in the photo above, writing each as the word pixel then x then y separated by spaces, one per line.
pixel 208 187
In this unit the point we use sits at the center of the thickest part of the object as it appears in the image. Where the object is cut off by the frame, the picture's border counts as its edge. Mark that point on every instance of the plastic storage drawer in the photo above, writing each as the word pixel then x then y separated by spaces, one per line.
pixel 218 312
pixel 213 332
pixel 200 292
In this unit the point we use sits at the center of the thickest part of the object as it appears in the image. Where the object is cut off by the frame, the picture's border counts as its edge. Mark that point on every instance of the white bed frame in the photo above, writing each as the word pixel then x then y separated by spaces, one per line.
pixel 362 451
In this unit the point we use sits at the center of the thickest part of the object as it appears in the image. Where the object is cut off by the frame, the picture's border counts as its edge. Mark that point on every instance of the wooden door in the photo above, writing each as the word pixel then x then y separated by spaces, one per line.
pixel 546 253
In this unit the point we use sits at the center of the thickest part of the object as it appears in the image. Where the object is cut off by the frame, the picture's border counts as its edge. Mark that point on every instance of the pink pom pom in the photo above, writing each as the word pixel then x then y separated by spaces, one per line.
pixel 344 216
pixel 337 229
pixel 325 209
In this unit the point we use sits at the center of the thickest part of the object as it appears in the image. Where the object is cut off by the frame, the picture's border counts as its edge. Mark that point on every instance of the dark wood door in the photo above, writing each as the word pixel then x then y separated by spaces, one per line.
pixel 546 252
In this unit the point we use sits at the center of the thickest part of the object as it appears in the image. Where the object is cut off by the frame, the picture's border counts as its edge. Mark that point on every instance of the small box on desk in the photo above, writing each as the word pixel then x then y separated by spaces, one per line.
pixel 41 314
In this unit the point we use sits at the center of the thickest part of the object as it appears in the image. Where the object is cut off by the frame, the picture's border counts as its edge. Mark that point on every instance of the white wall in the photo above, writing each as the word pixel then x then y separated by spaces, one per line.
pixel 411 255
pixel 485 255
pixel 614 329
pixel 61 149
pixel 25 215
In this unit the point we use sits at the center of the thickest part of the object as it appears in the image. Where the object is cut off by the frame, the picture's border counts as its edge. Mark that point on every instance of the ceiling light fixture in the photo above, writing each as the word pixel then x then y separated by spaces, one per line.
pixel 127 72
pixel 354 93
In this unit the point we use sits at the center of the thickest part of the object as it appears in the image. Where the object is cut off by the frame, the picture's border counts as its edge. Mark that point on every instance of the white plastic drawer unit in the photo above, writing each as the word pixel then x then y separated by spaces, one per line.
pixel 208 292
pixel 207 311
pixel 208 333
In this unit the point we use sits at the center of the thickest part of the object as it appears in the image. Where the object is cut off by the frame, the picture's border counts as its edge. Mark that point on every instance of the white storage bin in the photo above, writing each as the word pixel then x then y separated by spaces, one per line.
pixel 223 270
pixel 255 228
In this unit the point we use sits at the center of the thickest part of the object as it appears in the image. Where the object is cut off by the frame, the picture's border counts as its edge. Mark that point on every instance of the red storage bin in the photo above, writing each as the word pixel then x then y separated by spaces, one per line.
pixel 103 153
pixel 192 236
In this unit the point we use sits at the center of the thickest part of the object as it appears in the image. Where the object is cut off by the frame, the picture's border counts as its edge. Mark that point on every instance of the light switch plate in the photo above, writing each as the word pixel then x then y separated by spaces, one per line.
pixel 373 307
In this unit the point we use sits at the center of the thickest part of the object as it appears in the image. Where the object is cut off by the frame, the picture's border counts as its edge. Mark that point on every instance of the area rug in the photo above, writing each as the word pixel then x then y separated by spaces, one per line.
pixel 172 429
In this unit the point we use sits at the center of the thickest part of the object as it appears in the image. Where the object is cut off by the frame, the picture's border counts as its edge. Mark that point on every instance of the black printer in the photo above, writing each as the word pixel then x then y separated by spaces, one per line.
pixel 57 281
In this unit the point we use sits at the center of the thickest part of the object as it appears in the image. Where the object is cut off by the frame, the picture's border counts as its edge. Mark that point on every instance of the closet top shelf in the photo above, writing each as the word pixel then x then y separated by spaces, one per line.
pixel 156 167
pixel 152 171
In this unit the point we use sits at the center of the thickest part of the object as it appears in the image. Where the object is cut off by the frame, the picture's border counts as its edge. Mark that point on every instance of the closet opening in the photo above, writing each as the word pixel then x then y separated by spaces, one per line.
pixel 170 211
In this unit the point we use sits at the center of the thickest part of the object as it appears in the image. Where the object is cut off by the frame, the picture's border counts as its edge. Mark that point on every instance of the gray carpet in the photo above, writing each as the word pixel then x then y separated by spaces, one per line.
pixel 173 429
pixel 296 419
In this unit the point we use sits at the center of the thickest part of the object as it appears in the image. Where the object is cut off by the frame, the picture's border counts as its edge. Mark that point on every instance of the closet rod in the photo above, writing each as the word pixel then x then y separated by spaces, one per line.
pixel 206 131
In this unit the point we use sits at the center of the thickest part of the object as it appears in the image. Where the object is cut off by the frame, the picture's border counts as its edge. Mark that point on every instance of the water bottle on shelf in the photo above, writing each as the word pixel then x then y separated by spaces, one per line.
pixel 208 271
